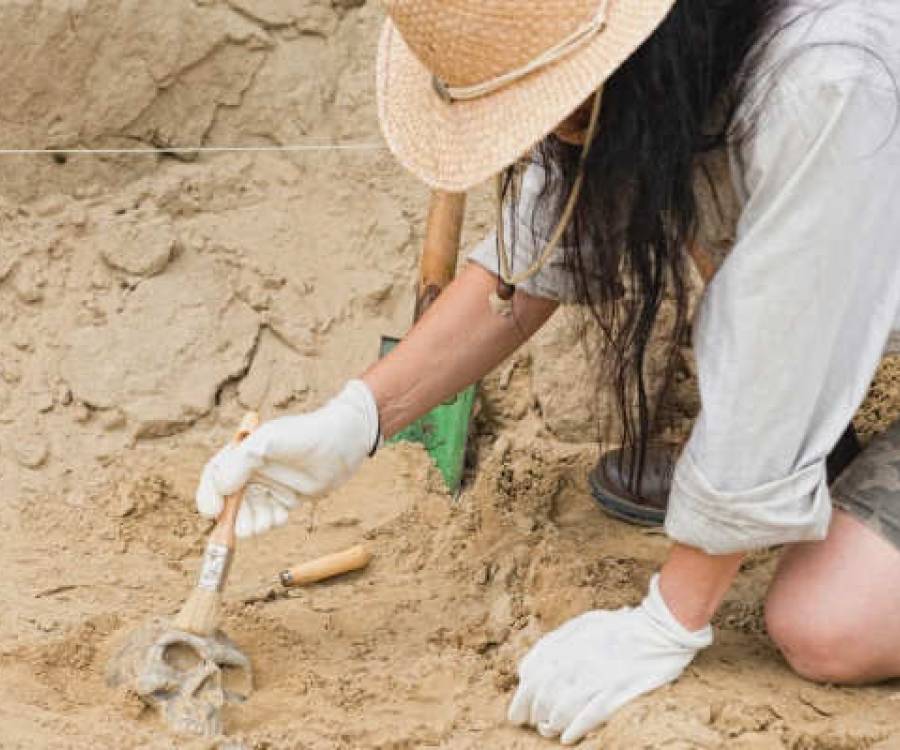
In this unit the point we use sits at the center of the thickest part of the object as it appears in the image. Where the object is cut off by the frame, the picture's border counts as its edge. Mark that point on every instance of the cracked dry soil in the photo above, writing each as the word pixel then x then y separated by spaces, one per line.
pixel 146 302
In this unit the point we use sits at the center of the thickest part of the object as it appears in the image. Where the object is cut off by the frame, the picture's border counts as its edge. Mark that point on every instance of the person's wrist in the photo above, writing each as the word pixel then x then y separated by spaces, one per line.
pixel 656 608
pixel 361 395
pixel 693 584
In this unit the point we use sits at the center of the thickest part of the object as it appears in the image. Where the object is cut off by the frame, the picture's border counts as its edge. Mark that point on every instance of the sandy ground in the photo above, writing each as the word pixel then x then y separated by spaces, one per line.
pixel 418 650
pixel 146 302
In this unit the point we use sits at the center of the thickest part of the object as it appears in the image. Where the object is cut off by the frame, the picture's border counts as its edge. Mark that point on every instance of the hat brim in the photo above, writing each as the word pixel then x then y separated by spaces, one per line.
pixel 456 145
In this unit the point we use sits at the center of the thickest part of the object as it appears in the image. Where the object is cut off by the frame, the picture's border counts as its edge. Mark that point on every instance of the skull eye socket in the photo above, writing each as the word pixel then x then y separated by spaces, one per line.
pixel 181 657
pixel 185 659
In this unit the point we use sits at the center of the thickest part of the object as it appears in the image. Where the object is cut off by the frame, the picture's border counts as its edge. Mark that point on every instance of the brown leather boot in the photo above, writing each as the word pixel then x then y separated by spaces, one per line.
pixel 608 480
pixel 609 485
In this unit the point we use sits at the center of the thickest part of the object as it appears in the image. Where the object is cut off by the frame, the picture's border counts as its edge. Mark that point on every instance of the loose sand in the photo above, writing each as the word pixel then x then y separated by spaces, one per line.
pixel 146 302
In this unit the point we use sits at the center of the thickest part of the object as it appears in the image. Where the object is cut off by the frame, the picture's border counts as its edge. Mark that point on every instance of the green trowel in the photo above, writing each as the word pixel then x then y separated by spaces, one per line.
pixel 445 429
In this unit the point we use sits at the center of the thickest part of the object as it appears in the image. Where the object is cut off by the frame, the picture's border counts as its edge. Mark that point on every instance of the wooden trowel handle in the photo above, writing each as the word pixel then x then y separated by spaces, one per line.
pixel 223 532
pixel 346 561
pixel 442 232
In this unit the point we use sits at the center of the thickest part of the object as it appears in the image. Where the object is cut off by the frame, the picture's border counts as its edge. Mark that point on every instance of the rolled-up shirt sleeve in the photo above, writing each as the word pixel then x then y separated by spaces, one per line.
pixel 527 232
pixel 791 329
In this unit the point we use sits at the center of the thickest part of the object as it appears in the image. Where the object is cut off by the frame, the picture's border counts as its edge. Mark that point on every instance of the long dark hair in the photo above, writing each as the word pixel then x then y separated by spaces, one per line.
pixel 676 98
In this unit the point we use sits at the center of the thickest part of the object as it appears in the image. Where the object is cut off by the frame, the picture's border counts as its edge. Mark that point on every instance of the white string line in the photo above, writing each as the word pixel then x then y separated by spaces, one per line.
pixel 194 149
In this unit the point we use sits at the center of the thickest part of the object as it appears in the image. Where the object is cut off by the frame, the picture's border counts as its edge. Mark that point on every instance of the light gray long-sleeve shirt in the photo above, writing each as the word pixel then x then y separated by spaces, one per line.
pixel 790 330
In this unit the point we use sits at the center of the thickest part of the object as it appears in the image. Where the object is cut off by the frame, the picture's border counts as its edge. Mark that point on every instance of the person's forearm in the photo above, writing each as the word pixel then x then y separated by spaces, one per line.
pixel 457 341
pixel 694 583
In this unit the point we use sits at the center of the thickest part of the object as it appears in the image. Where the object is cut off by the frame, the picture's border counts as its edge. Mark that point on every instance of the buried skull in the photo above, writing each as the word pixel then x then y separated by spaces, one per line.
pixel 188 678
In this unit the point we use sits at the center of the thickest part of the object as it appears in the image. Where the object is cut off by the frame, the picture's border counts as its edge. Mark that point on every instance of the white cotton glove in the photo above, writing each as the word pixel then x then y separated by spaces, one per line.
pixel 575 677
pixel 307 454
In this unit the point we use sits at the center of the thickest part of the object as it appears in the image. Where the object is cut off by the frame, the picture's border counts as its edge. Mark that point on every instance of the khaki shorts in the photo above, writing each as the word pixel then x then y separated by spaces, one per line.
pixel 869 487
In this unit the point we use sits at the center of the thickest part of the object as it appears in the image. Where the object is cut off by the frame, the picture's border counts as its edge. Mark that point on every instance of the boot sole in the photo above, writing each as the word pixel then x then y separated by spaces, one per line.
pixel 624 508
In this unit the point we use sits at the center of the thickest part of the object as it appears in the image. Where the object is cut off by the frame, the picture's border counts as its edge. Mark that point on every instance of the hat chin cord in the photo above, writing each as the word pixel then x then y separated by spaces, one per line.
pixel 501 299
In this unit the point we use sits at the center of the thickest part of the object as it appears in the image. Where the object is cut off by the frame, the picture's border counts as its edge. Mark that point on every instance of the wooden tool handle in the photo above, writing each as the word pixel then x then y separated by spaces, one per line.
pixel 223 532
pixel 302 574
pixel 442 232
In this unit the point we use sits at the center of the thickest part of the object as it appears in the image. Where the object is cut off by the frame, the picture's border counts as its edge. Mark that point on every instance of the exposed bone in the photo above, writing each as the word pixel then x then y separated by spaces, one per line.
pixel 189 679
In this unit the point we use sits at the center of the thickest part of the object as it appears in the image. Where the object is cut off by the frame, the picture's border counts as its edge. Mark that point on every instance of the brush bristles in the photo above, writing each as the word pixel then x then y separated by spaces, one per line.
pixel 200 613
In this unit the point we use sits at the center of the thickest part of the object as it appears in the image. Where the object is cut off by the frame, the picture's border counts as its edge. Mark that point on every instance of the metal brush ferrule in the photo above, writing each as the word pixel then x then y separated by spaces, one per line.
pixel 216 564
pixel 286 578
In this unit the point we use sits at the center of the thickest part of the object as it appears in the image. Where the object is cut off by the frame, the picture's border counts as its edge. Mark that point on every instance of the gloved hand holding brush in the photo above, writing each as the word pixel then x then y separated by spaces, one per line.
pixel 306 454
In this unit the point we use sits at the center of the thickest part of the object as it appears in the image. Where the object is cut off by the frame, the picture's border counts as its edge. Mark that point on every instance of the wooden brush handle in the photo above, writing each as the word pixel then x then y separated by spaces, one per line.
pixel 346 561
pixel 223 533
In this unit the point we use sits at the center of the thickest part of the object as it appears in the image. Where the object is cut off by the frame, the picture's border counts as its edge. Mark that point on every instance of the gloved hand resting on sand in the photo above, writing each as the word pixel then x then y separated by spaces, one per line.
pixel 306 454
pixel 575 677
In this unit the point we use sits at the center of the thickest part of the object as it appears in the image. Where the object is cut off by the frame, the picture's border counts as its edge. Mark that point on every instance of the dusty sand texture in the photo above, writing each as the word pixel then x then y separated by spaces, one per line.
pixel 146 302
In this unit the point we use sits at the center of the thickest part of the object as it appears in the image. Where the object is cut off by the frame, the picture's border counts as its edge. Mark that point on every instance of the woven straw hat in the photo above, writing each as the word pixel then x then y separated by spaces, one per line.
pixel 465 87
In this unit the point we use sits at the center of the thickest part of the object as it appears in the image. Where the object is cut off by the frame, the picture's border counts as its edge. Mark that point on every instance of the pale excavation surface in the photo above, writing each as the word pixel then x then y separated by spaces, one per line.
pixel 146 302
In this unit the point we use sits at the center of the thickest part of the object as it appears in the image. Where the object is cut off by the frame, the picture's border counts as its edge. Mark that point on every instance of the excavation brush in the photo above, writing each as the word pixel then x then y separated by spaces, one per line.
pixel 187 668
pixel 201 612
